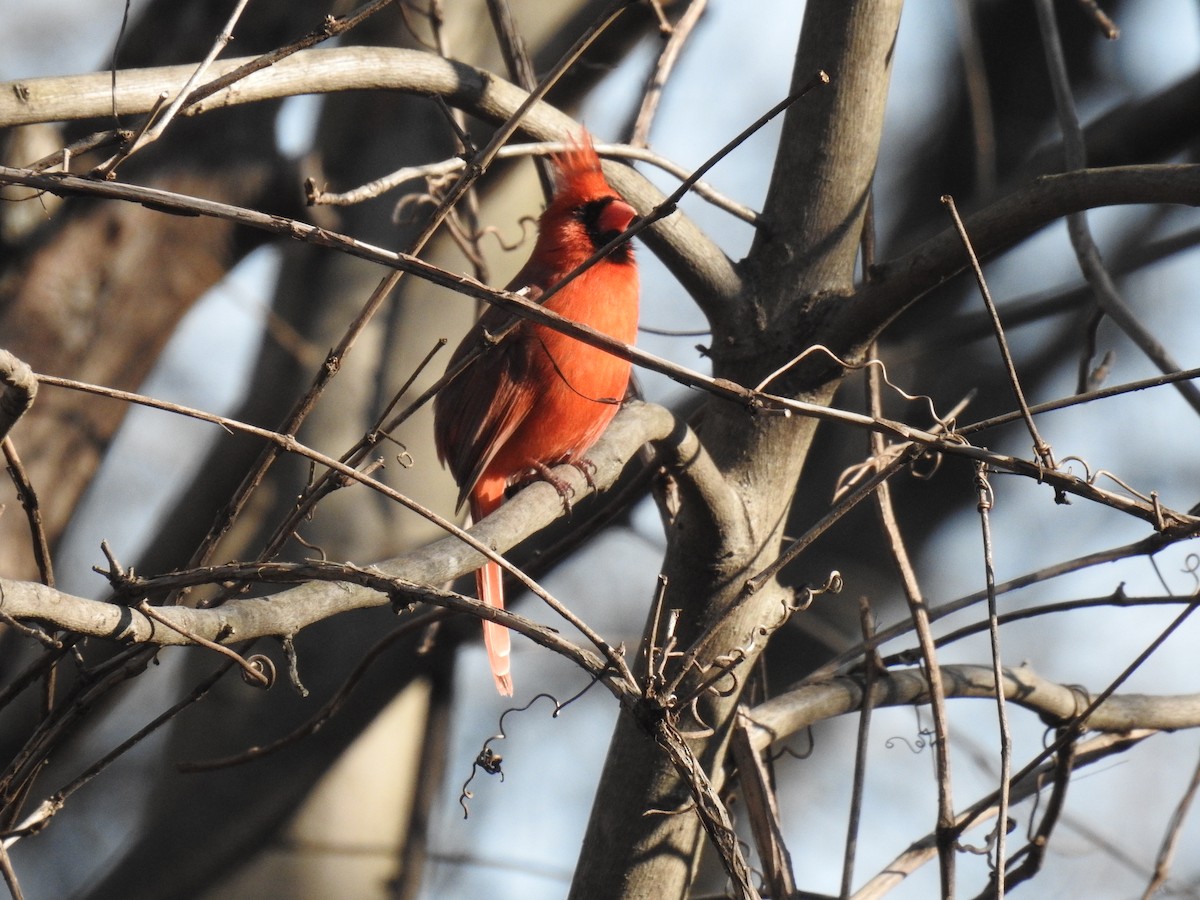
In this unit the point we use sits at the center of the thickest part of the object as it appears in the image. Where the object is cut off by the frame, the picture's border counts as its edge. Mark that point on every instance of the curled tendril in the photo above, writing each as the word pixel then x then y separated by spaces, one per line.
pixel 527 223
pixel 1087 470
pixel 935 463
pixel 786 750
pixel 704 730
pixel 264 666
pixel 801 600
pixel 1091 478
pixel 946 422
pixel 489 761
pixel 1191 566
pixel 914 747
pixel 405 212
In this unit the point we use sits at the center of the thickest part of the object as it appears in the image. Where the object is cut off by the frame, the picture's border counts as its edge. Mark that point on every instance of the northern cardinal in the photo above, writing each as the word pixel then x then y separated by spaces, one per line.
pixel 539 398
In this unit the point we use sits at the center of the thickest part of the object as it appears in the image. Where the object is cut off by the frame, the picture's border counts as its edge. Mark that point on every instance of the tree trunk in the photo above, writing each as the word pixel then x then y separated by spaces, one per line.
pixel 798 266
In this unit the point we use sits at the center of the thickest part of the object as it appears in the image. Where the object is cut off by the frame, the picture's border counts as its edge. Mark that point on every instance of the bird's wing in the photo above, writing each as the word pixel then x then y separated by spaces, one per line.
pixel 482 408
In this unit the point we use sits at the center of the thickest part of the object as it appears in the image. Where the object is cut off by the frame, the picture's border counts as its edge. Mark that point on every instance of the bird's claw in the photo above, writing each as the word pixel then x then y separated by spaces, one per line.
pixel 587 469
pixel 565 491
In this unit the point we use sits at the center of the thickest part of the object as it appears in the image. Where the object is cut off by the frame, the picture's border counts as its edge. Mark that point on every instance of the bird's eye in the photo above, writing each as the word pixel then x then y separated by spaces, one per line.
pixel 604 218
pixel 589 213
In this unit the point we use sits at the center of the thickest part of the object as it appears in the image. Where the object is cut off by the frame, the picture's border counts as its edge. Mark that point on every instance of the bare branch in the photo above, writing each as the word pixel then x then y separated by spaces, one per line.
pixel 653 92
pixel 156 125
pixel 18 389
pixel 762 804
pixel 986 501
pixel 922 850
pixel 1040 447
pixel 379 186
pixel 1170 842
pixel 900 282
pixel 1104 289
pixel 699 264
pixel 918 610
pixel 793 711
pixel 288 612
pixel 1164 520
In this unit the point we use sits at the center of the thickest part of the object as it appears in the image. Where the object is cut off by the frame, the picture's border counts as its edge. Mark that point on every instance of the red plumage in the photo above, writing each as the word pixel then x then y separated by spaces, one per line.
pixel 539 397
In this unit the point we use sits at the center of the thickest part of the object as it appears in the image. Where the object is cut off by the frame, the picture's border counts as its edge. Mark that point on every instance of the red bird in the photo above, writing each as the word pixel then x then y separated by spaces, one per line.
pixel 539 398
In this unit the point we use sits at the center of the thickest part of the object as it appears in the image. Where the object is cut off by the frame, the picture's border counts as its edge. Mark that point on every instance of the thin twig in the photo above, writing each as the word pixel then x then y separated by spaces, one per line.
pixel 897 458
pixel 372 189
pixel 383 289
pixel 252 671
pixel 653 91
pixel 229 511
pixel 1170 522
pixel 919 612
pixel 149 135
pixel 331 27
pixel 1145 547
pixel 1035 850
pixel 1107 296
pixel 520 70
pixel 33 511
pixel 1117 390
pixel 755 401
pixel 1170 842
pixel 330 480
pixel 478 163
pixel 331 706
pixel 1117 599
pixel 1081 720
pixel 873 669
pixel 873 665
pixel 986 500
pixel 397 589
pixel 290 444
pixel 1040 447
pixel 843 506
pixel 197 693
pixel 758 793
pixel 921 851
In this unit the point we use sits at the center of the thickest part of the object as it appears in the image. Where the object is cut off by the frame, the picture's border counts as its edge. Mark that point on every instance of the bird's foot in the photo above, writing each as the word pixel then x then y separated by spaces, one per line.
pixel 565 491
pixel 587 469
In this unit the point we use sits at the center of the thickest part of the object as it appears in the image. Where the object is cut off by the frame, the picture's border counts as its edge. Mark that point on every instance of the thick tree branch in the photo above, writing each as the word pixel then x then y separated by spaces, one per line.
pixel 1183 180
pixel 826 160
pixel 1019 215
pixel 290 611
pixel 792 711
pixel 900 282
pixel 693 258
pixel 18 389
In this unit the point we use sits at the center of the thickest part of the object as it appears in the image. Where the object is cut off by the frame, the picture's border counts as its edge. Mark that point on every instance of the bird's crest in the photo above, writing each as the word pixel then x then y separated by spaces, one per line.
pixel 579 174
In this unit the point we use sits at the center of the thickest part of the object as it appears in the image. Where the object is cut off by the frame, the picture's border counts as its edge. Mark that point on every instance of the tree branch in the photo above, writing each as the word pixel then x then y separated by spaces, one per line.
pixel 1146 508
pixel 699 264
pixel 797 709
pixel 288 612
pixel 900 282
pixel 18 389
